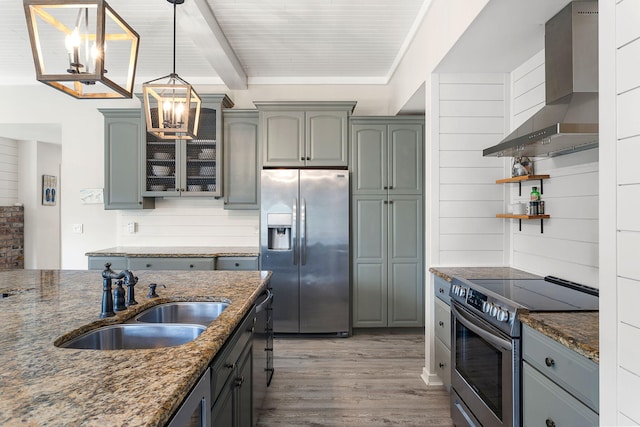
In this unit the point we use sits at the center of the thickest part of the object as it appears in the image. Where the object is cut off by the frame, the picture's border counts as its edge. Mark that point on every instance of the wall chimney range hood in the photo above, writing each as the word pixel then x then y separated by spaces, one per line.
pixel 569 120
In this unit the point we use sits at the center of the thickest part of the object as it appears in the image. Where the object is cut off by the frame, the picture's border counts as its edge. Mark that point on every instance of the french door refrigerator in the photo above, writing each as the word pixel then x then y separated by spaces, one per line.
pixel 304 241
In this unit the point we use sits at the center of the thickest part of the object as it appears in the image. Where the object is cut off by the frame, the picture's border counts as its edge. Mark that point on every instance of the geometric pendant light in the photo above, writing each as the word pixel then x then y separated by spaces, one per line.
pixel 172 108
pixel 82 47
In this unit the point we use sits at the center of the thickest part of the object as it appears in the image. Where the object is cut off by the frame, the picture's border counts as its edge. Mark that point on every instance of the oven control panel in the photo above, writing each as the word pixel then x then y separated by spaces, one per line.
pixel 489 307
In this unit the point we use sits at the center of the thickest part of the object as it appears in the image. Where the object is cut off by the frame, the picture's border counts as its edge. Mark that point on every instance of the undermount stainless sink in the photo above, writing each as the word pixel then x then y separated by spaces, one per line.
pixel 130 336
pixel 200 313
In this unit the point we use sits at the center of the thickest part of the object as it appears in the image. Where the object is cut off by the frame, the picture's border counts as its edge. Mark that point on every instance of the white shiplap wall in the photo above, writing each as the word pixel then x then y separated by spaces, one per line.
pixel 621 361
pixel 471 118
pixel 568 248
pixel 8 171
pixel 183 221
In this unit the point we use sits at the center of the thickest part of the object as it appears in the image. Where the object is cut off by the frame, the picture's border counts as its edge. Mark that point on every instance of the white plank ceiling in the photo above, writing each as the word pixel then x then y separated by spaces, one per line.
pixel 258 41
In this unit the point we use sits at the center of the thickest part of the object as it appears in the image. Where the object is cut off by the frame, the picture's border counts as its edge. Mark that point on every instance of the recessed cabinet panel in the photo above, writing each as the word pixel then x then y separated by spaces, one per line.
pixel 369 144
pixel 327 142
pixel 241 160
pixel 370 295
pixel 283 134
pixel 406 159
pixel 123 133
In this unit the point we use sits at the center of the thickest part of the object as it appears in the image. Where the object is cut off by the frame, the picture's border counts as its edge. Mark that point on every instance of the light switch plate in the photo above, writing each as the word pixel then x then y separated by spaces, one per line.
pixel 132 227
pixel 77 228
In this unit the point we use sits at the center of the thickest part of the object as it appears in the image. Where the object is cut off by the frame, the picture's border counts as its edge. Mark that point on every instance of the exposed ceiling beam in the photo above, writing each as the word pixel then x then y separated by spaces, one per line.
pixel 198 21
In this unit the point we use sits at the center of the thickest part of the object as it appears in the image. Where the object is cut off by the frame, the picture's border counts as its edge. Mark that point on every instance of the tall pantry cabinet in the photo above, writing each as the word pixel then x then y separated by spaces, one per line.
pixel 387 221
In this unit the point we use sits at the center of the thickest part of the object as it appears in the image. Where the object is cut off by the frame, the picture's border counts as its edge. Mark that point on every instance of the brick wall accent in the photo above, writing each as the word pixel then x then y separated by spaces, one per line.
pixel 11 237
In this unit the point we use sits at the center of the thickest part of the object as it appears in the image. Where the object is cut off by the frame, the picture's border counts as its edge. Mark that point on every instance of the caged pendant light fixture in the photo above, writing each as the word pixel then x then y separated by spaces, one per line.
pixel 82 47
pixel 172 108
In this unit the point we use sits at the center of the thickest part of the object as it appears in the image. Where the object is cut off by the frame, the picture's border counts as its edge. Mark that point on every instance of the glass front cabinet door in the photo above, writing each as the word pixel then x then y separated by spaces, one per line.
pixel 188 168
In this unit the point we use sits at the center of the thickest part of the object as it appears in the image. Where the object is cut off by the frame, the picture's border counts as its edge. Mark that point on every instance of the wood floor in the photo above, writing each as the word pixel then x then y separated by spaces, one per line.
pixel 369 379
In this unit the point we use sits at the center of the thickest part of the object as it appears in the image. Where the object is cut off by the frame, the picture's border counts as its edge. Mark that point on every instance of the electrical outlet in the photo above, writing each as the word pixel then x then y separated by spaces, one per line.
pixel 132 227
pixel 77 228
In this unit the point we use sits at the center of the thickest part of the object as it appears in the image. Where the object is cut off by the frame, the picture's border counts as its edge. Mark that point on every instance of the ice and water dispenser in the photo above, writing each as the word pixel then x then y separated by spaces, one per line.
pixel 279 229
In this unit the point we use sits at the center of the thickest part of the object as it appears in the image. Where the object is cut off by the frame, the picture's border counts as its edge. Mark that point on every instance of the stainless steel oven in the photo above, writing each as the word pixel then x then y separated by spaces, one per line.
pixel 486 347
pixel 486 371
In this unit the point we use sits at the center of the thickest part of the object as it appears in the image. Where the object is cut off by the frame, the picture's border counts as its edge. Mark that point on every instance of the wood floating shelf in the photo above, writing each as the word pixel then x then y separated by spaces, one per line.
pixel 522 178
pixel 521 217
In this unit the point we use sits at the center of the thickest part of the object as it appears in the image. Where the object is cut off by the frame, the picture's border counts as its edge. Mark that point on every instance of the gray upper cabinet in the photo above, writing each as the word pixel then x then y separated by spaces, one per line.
pixel 297 134
pixel 387 155
pixel 193 168
pixel 123 133
pixel 241 160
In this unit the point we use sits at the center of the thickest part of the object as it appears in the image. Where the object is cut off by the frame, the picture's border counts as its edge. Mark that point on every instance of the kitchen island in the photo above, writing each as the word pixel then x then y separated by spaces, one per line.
pixel 44 385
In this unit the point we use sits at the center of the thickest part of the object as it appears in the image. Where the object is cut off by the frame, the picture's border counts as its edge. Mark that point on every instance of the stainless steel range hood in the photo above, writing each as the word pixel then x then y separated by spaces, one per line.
pixel 569 120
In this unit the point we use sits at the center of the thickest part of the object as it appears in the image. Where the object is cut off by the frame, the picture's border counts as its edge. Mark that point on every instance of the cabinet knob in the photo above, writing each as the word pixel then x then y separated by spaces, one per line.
pixel 442 365
pixel 441 290
pixel 391 187
pixel 148 265
pixel 385 187
pixel 237 264
pixel 441 323
pixel 239 381
pixel 550 423
pixel 302 158
pixel 308 158
pixel 230 365
pixel 549 361
pixel 190 265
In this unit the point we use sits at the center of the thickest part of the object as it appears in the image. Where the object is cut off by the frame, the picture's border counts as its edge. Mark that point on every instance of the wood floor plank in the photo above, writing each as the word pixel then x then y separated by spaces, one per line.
pixel 369 379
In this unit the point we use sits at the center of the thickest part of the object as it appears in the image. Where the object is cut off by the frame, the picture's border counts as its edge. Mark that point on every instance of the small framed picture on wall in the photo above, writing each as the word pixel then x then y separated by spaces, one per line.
pixel 49 190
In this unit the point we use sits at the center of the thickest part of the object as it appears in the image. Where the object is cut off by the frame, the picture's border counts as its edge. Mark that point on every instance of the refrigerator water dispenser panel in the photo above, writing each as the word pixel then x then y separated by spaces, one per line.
pixel 279 226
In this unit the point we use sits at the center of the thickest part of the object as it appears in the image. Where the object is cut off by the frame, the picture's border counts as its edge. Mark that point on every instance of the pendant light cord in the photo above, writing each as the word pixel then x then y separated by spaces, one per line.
pixel 174 36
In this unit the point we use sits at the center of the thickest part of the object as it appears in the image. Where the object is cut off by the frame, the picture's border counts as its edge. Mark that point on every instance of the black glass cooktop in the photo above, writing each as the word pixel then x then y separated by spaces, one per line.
pixel 548 294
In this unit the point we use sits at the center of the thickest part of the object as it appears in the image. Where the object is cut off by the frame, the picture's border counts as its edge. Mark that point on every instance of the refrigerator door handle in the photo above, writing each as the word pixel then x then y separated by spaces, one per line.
pixel 303 231
pixel 294 231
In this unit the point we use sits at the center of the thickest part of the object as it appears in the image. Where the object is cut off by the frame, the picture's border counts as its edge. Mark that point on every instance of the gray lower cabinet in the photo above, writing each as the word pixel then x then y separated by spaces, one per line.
pixel 237 263
pixel 231 379
pixel 559 386
pixel 302 134
pixel 387 261
pixel 153 263
pixel 194 411
pixel 442 327
pixel 241 160
pixel 123 133
pixel 118 263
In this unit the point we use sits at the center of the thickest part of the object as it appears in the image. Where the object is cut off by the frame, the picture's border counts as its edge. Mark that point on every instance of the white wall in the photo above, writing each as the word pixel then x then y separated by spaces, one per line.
pixel 620 223
pixel 568 248
pixel 470 117
pixel 41 223
pixel 9 160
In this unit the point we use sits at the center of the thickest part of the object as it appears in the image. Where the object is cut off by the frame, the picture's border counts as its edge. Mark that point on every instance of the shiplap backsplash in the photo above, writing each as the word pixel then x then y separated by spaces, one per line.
pixel 471 112
pixel 8 171
pixel 568 248
pixel 189 222
pixel 628 222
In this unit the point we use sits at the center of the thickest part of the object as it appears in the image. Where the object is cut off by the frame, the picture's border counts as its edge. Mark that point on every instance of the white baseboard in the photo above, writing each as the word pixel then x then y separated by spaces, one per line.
pixel 431 380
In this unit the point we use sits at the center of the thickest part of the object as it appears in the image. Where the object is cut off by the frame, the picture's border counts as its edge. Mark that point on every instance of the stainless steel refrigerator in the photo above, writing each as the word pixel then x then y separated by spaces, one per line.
pixel 304 241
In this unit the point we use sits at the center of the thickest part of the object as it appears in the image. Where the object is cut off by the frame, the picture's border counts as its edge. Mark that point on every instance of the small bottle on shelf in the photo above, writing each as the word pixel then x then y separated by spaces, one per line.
pixel 534 202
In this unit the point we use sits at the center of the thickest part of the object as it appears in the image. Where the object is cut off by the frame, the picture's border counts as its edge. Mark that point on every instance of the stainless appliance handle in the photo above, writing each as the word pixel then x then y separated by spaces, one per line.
pixel 263 305
pixel 303 231
pixel 464 413
pixel 484 334
pixel 294 230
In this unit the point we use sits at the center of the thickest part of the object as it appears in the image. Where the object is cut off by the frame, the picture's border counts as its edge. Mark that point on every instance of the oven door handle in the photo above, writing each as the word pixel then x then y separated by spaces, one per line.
pixel 468 323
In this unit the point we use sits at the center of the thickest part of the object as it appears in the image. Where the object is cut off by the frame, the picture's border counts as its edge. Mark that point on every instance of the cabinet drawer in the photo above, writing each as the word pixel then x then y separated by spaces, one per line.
pixel 544 402
pixel 237 263
pixel 443 363
pixel 572 371
pixel 171 263
pixel 442 323
pixel 441 288
pixel 226 361
pixel 117 263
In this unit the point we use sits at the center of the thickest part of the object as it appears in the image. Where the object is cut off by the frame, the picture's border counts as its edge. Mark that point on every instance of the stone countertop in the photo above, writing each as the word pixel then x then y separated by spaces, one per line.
pixel 447 273
pixel 43 385
pixel 176 251
pixel 577 330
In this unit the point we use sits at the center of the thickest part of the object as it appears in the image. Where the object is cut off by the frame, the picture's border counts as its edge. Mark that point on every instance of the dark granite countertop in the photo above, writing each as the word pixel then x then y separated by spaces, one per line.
pixel 577 330
pixel 176 251
pixel 447 273
pixel 43 385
